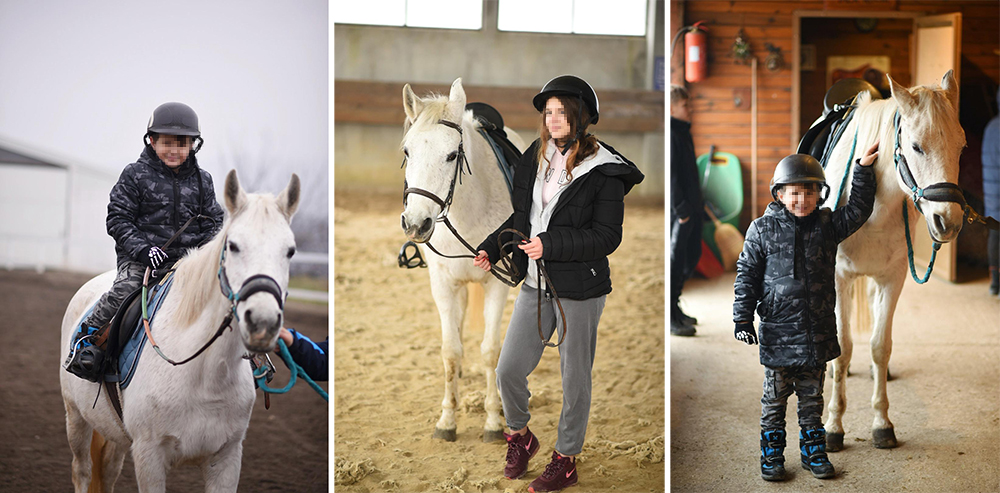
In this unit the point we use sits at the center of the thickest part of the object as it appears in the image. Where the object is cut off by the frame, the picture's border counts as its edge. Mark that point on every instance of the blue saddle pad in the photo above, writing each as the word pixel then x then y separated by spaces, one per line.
pixel 128 359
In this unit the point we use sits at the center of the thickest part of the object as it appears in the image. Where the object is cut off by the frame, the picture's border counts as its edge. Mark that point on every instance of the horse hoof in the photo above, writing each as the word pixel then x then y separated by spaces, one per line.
pixel 493 436
pixel 884 438
pixel 446 435
pixel 834 442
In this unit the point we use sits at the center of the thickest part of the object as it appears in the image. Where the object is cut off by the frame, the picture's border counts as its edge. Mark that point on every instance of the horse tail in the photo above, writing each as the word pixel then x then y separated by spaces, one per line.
pixel 97 446
pixel 861 314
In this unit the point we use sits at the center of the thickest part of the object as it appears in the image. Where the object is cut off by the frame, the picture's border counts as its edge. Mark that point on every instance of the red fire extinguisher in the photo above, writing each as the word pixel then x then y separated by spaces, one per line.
pixel 696 53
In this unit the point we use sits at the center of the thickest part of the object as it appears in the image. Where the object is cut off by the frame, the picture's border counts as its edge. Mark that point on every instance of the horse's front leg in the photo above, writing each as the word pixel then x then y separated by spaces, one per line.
pixel 451 298
pixel 222 470
pixel 838 400
pixel 496 298
pixel 149 456
pixel 883 306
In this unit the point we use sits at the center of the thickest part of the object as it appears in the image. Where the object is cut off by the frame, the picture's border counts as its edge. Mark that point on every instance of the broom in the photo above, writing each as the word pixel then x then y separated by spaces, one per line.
pixel 728 239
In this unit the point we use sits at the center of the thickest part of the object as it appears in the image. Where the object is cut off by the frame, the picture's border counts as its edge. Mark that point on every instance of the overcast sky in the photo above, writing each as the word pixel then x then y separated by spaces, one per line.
pixel 80 79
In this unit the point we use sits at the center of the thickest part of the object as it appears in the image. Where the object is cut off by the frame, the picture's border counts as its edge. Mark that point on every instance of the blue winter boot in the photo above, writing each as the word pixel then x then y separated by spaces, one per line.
pixel 772 458
pixel 812 445
pixel 86 357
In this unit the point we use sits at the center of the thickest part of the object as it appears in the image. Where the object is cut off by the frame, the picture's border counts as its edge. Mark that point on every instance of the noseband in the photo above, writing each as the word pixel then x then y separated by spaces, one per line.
pixel 253 284
pixel 936 192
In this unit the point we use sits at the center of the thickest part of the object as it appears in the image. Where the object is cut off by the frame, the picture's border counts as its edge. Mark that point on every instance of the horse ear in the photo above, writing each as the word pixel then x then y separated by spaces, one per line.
pixel 288 199
pixel 236 198
pixel 411 104
pixel 902 96
pixel 950 86
pixel 456 101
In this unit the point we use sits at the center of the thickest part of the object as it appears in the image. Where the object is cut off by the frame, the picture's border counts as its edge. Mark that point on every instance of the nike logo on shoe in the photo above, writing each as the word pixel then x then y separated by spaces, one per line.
pixel 570 473
pixel 528 446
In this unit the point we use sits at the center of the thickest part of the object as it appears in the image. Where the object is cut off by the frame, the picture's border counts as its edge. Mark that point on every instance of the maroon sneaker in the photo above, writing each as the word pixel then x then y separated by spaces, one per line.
pixel 559 474
pixel 520 448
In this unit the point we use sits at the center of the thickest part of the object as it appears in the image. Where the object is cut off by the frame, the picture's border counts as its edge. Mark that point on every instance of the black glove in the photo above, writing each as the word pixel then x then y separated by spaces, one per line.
pixel 154 257
pixel 744 333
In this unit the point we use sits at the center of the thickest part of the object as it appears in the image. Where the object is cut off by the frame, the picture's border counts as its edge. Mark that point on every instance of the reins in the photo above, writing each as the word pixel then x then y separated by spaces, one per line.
pixel 509 271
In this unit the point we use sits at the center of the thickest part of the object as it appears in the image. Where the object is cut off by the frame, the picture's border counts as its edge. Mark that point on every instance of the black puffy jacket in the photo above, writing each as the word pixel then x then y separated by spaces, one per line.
pixel 787 270
pixel 584 228
pixel 150 203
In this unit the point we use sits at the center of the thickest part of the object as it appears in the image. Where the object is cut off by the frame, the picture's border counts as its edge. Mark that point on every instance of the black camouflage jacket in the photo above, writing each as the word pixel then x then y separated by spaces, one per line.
pixel 786 272
pixel 150 203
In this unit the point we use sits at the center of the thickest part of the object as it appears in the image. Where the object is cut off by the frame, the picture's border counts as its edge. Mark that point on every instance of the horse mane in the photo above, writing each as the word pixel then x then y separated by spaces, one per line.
pixel 197 271
pixel 434 108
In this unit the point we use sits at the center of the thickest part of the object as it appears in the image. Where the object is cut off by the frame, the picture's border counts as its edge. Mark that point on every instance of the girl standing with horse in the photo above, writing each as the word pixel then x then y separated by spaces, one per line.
pixel 568 211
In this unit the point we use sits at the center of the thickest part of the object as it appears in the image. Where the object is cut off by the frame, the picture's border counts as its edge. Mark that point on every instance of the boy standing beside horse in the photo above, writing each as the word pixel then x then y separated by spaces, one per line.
pixel 786 273
pixel 153 198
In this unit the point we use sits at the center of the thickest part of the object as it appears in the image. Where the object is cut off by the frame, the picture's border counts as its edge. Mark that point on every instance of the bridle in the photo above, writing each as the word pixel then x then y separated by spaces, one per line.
pixel 504 274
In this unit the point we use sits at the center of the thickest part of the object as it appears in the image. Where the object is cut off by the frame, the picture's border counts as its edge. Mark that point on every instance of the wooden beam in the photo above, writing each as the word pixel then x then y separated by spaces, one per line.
pixel 377 102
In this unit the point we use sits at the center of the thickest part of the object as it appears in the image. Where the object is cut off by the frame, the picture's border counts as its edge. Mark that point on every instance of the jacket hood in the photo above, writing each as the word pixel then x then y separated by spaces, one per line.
pixel 611 163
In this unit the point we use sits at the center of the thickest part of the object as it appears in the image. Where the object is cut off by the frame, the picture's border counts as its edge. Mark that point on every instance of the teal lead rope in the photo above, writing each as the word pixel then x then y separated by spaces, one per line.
pixel 909 249
pixel 260 375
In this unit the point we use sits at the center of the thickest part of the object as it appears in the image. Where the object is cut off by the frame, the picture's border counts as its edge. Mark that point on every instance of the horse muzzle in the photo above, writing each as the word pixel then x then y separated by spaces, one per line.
pixel 944 223
pixel 417 230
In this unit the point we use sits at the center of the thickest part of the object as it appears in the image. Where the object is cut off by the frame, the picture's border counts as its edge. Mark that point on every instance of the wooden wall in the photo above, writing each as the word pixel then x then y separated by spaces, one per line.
pixel 718 120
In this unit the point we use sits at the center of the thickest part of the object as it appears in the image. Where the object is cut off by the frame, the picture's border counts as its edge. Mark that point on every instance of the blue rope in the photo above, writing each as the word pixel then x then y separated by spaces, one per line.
pixel 259 375
pixel 847 169
pixel 909 249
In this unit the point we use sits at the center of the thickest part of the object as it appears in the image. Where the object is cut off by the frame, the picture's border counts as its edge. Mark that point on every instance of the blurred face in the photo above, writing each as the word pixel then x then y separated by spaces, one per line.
pixel 555 119
pixel 681 110
pixel 173 150
pixel 799 198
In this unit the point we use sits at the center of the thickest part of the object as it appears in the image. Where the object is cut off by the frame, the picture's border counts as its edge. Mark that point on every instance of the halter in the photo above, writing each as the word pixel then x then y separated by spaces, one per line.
pixel 936 192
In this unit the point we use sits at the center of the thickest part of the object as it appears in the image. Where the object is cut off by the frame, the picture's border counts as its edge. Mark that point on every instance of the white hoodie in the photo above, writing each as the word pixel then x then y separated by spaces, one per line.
pixel 540 216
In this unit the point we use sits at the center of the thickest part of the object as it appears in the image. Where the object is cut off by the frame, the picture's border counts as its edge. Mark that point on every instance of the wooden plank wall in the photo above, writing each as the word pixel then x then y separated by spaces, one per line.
pixel 718 120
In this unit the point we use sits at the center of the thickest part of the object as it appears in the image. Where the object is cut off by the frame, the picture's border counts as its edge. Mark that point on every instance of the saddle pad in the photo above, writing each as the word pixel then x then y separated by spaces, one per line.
pixel 129 357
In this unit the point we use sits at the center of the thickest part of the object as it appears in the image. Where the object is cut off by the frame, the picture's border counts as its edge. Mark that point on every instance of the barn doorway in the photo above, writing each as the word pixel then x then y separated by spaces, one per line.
pixel 913 48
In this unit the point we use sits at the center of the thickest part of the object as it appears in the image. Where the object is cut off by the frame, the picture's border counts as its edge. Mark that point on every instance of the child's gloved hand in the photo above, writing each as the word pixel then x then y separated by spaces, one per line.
pixel 155 256
pixel 745 333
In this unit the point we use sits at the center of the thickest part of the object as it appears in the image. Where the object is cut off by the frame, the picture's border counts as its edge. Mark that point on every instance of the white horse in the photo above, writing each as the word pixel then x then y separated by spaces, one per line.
pixel 197 412
pixel 438 131
pixel 930 140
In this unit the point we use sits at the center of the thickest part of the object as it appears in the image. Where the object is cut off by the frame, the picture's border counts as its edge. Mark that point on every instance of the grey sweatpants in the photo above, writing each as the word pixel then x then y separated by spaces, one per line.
pixel 522 349
pixel 129 279
pixel 779 383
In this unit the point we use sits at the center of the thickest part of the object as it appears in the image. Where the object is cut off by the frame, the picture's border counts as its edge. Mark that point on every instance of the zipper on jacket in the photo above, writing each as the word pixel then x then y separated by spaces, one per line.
pixel 592 271
pixel 177 199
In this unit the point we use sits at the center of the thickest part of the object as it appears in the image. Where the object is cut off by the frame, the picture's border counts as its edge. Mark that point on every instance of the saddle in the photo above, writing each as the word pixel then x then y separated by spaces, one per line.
pixel 838 110
pixel 492 130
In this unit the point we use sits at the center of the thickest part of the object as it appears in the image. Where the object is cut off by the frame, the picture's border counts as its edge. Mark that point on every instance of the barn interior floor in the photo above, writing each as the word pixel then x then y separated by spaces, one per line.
pixel 944 399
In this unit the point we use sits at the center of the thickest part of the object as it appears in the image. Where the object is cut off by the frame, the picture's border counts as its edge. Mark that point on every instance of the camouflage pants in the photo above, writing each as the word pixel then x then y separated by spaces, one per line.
pixel 779 383
pixel 129 279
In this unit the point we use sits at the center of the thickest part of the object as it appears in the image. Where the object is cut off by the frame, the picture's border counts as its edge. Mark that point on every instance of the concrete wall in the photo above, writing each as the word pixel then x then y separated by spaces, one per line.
pixel 368 155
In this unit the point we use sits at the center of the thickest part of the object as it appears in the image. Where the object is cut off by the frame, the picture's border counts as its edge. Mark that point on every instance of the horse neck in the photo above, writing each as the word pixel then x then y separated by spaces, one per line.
pixel 195 306
pixel 871 122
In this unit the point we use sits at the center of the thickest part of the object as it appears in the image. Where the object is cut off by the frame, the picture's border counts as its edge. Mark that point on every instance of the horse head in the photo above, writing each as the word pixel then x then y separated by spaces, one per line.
pixel 253 266
pixel 434 151
pixel 930 140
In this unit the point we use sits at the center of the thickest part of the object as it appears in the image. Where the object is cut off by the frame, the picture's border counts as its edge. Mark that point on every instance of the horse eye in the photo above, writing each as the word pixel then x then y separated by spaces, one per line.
pixel 918 149
pixel 233 248
pixel 406 152
pixel 291 251
pixel 452 156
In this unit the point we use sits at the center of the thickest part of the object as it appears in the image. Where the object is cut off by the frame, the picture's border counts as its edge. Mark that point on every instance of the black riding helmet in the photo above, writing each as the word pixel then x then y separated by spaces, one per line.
pixel 799 168
pixel 174 119
pixel 570 85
